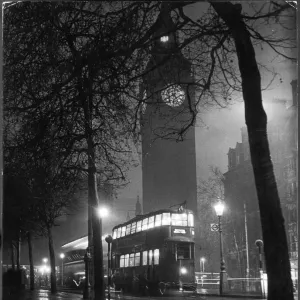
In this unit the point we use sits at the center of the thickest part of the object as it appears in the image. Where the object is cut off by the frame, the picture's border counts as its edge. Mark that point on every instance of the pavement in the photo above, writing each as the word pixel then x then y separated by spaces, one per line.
pixel 63 295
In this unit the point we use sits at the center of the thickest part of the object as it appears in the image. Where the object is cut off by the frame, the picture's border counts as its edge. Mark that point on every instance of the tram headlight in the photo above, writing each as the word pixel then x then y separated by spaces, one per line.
pixel 183 270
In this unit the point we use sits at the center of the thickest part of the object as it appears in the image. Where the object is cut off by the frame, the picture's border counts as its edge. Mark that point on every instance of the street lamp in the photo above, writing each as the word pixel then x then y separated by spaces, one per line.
pixel 109 240
pixel 45 260
pixel 62 256
pixel 202 260
pixel 102 212
pixel 219 208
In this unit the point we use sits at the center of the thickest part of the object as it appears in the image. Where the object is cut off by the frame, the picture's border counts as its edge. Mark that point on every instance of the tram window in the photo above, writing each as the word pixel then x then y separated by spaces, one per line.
pixel 150 257
pixel 151 222
pixel 137 259
pixel 158 220
pixel 145 258
pixel 138 226
pixel 122 261
pixel 119 232
pixel 131 260
pixel 166 219
pixel 183 251
pixel 191 220
pixel 126 264
pixel 128 227
pixel 156 257
pixel 123 231
pixel 179 219
pixel 115 234
pixel 133 227
pixel 192 252
pixel 145 224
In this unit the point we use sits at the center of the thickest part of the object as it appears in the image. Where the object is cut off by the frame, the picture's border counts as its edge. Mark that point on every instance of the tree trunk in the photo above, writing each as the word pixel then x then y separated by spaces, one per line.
pixel 19 250
pixel 30 260
pixel 237 249
pixel 98 281
pixel 52 262
pixel 13 256
pixel 96 224
pixel 273 230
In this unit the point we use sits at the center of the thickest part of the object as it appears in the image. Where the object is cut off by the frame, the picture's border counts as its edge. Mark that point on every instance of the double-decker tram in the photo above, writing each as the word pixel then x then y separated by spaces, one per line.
pixel 154 253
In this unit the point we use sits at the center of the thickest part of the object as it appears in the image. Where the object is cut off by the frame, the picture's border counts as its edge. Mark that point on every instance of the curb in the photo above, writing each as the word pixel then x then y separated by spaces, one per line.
pixel 231 296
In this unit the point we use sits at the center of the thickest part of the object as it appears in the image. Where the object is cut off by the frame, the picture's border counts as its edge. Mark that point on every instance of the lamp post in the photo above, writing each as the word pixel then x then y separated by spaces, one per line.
pixel 219 208
pixel 101 212
pixel 108 240
pixel 259 244
pixel 45 270
pixel 87 285
pixel 62 256
pixel 202 260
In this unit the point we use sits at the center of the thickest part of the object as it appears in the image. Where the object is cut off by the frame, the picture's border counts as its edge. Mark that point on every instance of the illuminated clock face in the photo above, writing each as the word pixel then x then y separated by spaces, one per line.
pixel 173 95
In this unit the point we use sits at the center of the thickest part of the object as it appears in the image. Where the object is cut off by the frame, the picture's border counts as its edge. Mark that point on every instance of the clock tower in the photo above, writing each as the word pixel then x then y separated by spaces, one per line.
pixel 168 143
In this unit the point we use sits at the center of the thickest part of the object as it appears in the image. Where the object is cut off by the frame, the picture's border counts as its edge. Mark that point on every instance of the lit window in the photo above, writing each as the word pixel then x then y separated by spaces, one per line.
pixel 151 222
pixel 137 259
pixel 131 260
pixel 126 263
pixel 122 261
pixel 128 227
pixel 166 220
pixel 150 257
pixel 191 220
pixel 145 224
pixel 158 220
pixel 119 232
pixel 179 219
pixel 115 234
pixel 138 226
pixel 123 231
pixel 164 39
pixel 156 257
pixel 145 258
pixel 133 227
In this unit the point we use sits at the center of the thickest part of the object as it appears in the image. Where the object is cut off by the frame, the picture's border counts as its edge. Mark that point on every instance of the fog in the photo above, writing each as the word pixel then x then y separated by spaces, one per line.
pixel 222 130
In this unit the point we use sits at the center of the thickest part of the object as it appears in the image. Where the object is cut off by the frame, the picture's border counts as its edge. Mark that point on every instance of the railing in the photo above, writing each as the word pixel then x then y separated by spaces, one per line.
pixel 246 285
pixel 210 283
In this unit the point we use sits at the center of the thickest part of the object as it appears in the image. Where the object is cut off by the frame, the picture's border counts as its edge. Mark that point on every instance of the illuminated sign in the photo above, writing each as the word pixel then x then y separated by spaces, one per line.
pixel 182 231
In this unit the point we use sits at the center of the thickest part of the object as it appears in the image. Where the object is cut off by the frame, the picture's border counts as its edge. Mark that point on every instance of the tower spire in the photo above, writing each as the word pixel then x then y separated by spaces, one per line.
pixel 138 207
pixel 165 36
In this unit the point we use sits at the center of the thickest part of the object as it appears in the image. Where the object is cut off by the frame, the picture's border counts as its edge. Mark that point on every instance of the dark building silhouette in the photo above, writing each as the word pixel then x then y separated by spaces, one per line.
pixel 169 166
pixel 240 192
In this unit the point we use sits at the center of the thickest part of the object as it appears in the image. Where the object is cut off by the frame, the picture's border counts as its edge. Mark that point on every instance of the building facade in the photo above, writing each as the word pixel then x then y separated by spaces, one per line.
pixel 240 191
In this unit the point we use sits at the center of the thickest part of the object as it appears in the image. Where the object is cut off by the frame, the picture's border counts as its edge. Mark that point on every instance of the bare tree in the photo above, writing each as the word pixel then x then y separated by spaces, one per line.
pixel 78 70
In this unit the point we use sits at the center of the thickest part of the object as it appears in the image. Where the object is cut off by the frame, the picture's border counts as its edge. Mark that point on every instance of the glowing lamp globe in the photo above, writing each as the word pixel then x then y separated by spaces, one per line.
pixel 103 212
pixel 219 208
